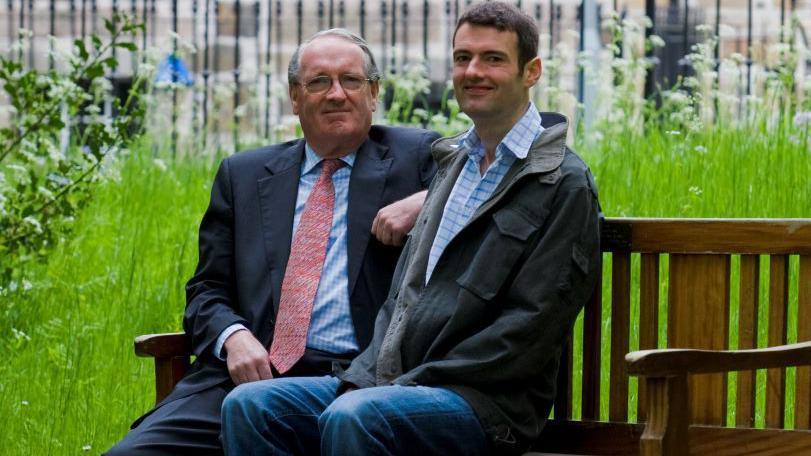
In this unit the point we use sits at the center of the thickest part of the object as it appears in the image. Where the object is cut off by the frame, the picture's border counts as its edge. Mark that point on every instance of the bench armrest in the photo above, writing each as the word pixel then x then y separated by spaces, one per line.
pixel 673 362
pixel 665 372
pixel 162 345
pixel 172 355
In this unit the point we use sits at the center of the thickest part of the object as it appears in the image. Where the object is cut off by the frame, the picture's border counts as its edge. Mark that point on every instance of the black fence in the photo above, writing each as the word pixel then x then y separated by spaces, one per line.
pixel 265 32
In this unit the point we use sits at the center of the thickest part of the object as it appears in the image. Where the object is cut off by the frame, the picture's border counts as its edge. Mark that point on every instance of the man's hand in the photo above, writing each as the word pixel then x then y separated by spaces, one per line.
pixel 393 222
pixel 247 359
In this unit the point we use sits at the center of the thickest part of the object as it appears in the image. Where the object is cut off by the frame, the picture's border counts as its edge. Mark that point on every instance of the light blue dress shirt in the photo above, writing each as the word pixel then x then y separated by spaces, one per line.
pixel 472 188
pixel 331 328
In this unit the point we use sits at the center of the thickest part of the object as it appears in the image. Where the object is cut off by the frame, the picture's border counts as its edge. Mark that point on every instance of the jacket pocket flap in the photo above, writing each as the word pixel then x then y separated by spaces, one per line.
pixel 513 223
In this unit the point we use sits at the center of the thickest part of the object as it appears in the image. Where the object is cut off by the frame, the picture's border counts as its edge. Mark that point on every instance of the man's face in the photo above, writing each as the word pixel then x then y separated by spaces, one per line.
pixel 337 120
pixel 486 79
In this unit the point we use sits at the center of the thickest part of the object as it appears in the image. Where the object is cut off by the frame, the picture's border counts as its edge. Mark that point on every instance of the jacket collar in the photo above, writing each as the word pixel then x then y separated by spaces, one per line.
pixel 545 154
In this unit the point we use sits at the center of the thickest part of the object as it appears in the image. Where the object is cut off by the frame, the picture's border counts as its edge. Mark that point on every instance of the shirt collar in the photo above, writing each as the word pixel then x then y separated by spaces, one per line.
pixel 312 159
pixel 517 142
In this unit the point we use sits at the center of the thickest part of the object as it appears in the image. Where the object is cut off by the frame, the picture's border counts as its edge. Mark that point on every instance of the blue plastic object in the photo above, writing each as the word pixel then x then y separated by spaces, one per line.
pixel 173 70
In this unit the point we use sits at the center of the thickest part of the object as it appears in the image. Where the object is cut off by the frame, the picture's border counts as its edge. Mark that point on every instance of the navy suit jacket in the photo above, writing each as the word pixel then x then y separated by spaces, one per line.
pixel 246 232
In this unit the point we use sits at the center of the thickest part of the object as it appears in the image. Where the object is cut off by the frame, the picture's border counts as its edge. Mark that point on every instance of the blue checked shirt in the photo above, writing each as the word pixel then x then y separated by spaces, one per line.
pixel 472 188
pixel 331 328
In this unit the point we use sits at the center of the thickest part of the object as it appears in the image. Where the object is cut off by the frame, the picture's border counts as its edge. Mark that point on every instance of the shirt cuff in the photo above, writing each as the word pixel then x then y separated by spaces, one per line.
pixel 224 335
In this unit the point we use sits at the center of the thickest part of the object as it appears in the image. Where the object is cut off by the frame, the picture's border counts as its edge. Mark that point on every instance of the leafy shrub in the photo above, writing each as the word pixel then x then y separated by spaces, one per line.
pixel 54 149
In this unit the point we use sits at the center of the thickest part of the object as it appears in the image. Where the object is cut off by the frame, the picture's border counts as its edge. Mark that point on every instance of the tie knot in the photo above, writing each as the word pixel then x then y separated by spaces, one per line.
pixel 330 165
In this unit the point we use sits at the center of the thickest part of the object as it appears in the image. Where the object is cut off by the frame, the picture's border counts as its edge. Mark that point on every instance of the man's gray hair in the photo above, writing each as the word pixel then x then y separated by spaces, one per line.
pixel 369 65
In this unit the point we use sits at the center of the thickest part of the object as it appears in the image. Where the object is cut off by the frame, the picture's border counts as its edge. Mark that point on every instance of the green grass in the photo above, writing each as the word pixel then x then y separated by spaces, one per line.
pixel 73 381
pixel 69 378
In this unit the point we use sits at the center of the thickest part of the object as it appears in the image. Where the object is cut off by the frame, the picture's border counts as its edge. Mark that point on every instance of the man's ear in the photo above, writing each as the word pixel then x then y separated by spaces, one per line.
pixel 295 92
pixel 532 72
pixel 374 87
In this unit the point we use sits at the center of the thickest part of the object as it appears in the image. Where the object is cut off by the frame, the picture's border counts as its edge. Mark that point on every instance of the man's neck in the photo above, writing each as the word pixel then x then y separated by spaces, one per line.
pixel 328 150
pixel 492 131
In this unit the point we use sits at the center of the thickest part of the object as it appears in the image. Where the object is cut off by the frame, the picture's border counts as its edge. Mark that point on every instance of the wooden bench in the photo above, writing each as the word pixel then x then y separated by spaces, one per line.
pixel 690 275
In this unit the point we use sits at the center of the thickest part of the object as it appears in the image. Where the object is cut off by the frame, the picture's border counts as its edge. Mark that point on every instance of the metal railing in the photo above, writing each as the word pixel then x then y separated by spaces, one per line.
pixel 259 35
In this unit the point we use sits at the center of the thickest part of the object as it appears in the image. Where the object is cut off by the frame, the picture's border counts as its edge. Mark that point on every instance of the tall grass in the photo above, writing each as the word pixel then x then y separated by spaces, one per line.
pixel 69 382
pixel 715 172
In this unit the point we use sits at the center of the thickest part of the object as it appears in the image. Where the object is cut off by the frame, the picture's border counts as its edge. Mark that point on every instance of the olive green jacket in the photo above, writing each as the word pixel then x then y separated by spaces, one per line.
pixel 491 322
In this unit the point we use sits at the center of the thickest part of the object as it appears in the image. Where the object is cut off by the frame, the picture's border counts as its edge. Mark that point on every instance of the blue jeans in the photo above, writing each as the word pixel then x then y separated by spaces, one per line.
pixel 303 416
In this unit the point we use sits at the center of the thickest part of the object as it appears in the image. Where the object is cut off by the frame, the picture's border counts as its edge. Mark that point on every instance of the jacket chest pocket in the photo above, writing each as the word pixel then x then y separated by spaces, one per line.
pixel 499 252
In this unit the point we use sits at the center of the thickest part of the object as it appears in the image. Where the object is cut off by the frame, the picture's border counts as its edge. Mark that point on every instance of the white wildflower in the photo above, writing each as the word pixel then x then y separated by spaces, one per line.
pixel 725 30
pixel 656 41
pixel 23 402
pixel 20 336
pixel 86 447
pixel 802 119
pixel 93 110
pixel 45 192
pixel 737 58
pixel 677 97
pixel 160 164
pixel 34 223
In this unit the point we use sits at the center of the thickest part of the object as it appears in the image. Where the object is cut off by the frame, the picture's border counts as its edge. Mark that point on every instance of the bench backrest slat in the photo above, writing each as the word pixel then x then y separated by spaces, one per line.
pixel 778 313
pixel 648 315
pixel 747 336
pixel 698 314
pixel 621 319
pixel 802 398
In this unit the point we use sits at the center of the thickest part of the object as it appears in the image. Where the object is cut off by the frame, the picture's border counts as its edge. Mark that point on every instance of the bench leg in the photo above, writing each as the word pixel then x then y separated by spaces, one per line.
pixel 666 430
pixel 168 371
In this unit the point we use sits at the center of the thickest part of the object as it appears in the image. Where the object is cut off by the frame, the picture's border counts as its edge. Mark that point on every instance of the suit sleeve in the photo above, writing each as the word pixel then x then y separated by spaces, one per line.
pixel 210 292
pixel 539 306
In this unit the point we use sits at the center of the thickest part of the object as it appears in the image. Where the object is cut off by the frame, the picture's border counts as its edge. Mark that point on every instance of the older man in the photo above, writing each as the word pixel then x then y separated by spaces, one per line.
pixel 296 254
pixel 503 256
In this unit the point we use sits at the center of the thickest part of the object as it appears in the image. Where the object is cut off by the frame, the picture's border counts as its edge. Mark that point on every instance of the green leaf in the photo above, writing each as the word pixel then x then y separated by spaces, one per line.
pixel 78 43
pixel 95 71
pixel 110 62
pixel 132 47
pixel 108 25
pixel 96 41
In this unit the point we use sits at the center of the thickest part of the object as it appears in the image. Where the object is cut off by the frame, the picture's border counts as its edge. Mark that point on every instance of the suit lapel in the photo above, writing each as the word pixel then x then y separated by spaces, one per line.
pixel 365 194
pixel 277 203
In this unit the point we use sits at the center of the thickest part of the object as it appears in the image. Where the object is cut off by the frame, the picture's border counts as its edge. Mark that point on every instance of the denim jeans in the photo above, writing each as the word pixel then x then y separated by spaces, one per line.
pixel 303 416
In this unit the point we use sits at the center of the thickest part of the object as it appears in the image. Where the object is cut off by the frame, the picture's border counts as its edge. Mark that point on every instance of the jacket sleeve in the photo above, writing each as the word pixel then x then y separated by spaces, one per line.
pixel 539 305
pixel 210 306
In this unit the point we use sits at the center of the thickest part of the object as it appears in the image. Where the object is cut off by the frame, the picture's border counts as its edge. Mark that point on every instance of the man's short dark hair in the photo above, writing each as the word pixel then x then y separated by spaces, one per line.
pixel 505 16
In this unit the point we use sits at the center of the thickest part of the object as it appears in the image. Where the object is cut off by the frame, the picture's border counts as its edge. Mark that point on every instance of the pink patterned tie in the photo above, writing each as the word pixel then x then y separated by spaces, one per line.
pixel 303 271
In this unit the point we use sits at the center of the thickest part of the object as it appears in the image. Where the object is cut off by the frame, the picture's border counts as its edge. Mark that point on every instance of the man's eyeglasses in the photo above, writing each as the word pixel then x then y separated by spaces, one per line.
pixel 349 82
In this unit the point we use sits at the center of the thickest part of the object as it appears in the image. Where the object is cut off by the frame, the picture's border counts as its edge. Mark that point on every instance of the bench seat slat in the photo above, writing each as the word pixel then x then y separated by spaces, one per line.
pixel 601 438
